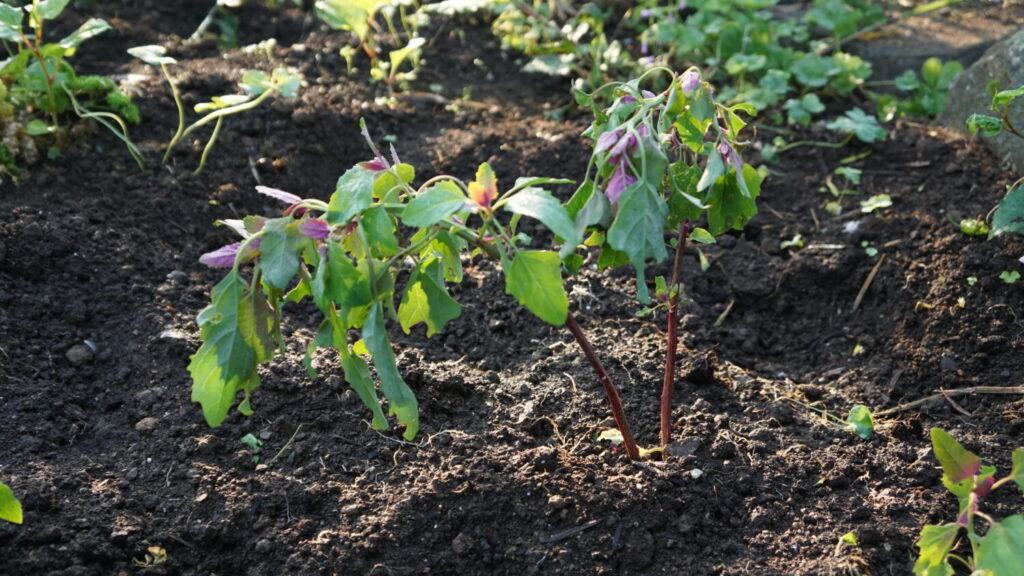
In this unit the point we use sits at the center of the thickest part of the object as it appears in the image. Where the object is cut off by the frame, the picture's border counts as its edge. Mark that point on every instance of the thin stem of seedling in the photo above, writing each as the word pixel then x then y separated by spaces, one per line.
pixel 672 343
pixel 614 401
pixel 176 94
pixel 285 447
pixel 105 118
pixel 209 145
pixel 815 143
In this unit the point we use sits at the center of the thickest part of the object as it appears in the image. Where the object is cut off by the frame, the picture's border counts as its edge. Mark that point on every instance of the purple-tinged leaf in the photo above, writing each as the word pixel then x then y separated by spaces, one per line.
pixel 315 228
pixel 378 164
pixel 731 156
pixel 286 197
pixel 607 140
pixel 224 257
pixel 958 464
pixel 689 81
pixel 620 180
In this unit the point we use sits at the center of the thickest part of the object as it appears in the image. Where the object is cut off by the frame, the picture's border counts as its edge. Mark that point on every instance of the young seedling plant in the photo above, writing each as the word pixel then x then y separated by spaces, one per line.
pixel 999 551
pixel 37 76
pixel 257 87
pixel 661 163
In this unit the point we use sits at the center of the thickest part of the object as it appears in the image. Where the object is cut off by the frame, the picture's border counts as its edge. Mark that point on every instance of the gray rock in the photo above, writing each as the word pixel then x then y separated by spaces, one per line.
pixel 79 354
pixel 147 424
pixel 1003 62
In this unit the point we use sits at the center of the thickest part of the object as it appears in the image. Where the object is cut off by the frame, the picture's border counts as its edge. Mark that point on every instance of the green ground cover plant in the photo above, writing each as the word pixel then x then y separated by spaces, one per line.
pixel 39 87
pixel 662 163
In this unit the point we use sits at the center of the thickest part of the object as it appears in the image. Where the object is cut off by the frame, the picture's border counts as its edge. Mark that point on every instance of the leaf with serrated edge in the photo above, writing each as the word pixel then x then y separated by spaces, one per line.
pixel 935 543
pixel 353 193
pixel 426 300
pixel 225 363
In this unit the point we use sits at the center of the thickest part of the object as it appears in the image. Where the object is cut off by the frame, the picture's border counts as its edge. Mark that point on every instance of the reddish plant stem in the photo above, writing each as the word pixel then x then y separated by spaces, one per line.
pixel 614 401
pixel 672 344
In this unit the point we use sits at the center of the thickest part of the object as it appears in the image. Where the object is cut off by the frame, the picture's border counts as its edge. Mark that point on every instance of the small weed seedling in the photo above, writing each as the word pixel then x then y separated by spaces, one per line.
pixel 257 86
pixel 38 78
pixel 1009 214
pixel 360 18
pixel 1000 551
pixel 255 446
pixel 660 162
pixel 10 508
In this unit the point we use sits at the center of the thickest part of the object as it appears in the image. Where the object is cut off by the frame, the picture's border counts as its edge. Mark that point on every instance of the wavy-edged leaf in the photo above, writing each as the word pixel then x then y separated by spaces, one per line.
pixel 426 300
pixel 225 363
pixel 935 544
pixel 958 464
pixel 401 401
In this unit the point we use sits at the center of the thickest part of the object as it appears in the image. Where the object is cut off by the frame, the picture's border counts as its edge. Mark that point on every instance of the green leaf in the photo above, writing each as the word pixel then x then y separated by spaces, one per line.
pixel 152 54
pixel 436 204
pixel 92 27
pixel 338 280
pixel 380 231
pixel 550 64
pixel 1010 277
pixel 10 508
pixel 639 229
pixel 813 71
pixel 411 50
pixel 352 194
pixel 1009 215
pixel 714 170
pixel 279 258
pixel 401 400
pixel 875 202
pixel 225 363
pixel 1017 473
pixel 987 125
pixel 357 374
pixel 861 422
pixel 957 462
pixel 426 300
pixel 1004 98
pixel 258 323
pixel 907 81
pixel 729 207
pixel 37 127
pixel 683 204
pixel 535 279
pixel 935 543
pixel 353 15
pixel 10 22
pixel 49 9
pixel 1002 548
pixel 701 236
pixel 862 125
pixel 541 205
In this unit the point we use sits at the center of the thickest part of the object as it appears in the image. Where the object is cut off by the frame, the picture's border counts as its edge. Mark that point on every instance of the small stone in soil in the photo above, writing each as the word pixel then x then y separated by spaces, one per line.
pixel 147 424
pixel 948 364
pixel 462 543
pixel 79 354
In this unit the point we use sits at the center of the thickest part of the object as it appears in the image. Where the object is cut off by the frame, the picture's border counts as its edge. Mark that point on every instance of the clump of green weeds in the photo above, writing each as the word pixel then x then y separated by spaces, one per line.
pixel 39 87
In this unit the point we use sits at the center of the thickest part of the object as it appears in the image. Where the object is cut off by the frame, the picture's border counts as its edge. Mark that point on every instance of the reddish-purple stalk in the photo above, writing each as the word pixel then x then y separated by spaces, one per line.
pixel 672 344
pixel 614 401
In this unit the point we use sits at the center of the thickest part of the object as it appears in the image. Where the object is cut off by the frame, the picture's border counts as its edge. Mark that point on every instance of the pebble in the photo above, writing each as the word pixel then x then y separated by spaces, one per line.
pixel 176 275
pixel 79 354
pixel 557 501
pixel 264 546
pixel 683 448
pixel 147 424
pixel 948 364
pixel 462 543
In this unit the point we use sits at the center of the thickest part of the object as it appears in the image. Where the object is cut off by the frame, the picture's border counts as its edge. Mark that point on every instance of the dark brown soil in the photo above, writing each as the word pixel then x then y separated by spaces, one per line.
pixel 505 477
